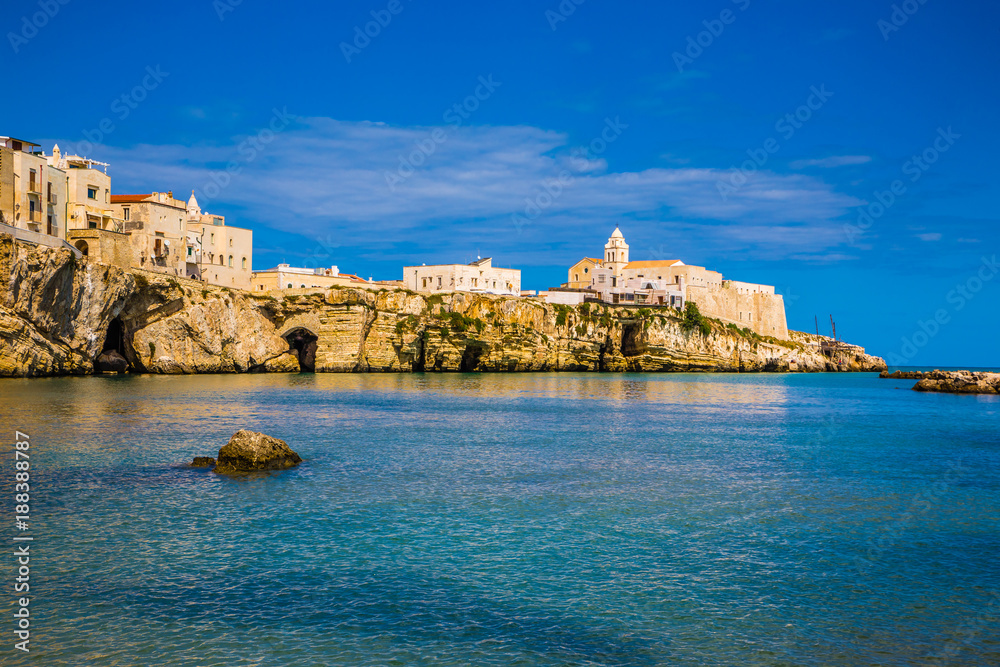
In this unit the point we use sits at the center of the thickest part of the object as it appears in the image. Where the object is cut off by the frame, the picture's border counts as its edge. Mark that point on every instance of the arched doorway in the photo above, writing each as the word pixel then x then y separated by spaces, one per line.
pixel 82 246
pixel 303 343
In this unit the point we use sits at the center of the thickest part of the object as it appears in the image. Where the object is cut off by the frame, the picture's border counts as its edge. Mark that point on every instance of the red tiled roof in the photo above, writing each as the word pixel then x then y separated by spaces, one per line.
pixel 129 199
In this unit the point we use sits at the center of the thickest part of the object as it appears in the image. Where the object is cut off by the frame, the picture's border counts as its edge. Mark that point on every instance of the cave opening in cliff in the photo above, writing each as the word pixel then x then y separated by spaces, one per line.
pixel 112 358
pixel 303 343
pixel 633 339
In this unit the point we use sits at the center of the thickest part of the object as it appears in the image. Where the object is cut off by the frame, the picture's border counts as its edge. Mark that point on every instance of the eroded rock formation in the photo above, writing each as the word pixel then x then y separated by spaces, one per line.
pixel 58 315
pixel 249 451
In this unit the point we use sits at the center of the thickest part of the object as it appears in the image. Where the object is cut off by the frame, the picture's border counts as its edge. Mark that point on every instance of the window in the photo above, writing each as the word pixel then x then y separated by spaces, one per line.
pixel 230 243
pixel 230 261
pixel 91 193
pixel 244 262
pixel 222 260
pixel 213 238
pixel 289 286
pixel 439 282
pixel 190 251
pixel 48 228
pixel 125 213
pixel 586 270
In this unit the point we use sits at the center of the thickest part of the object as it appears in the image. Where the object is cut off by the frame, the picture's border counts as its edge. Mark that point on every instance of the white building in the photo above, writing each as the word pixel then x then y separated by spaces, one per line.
pixel 479 276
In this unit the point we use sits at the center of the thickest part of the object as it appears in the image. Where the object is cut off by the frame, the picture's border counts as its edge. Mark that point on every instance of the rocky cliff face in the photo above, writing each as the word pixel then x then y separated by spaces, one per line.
pixel 59 314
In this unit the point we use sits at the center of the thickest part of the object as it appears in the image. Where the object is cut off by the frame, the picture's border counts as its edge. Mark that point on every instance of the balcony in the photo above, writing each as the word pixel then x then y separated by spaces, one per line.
pixel 52 198
pixel 34 216
pixel 34 186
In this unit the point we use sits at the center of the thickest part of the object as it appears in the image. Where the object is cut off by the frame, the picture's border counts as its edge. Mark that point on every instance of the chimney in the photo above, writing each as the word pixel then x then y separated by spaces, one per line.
pixel 170 194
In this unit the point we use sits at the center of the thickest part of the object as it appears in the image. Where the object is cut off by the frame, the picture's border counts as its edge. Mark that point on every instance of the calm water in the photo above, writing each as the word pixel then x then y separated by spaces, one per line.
pixel 510 520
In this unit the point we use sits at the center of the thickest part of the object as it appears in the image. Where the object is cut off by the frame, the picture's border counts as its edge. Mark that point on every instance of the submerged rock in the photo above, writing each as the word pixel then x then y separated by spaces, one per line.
pixel 960 382
pixel 247 451
pixel 203 462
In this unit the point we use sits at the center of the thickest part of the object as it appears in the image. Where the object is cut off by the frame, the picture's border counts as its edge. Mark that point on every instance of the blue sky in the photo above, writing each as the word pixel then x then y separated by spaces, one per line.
pixel 745 136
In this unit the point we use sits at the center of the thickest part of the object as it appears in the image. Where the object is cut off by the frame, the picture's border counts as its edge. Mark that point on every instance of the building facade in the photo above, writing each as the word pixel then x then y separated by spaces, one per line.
pixel 216 252
pixel 618 280
pixel 287 277
pixel 479 276
pixel 32 191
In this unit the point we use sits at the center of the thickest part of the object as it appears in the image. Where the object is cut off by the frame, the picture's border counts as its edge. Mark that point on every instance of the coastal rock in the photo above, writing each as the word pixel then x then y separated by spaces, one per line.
pixel 959 382
pixel 203 462
pixel 902 375
pixel 58 310
pixel 111 362
pixel 248 451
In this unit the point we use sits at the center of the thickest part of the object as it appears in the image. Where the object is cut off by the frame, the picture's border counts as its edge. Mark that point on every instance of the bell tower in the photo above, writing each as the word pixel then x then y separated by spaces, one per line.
pixel 616 253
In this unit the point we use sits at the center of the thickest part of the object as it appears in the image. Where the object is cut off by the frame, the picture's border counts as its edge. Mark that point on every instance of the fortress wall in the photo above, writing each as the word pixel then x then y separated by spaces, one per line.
pixel 762 313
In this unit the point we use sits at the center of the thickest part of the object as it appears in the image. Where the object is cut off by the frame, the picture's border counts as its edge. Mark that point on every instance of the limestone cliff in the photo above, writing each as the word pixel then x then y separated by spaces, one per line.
pixel 58 314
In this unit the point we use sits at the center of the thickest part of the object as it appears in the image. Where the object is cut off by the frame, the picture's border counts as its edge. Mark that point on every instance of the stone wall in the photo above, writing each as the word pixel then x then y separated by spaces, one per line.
pixel 759 312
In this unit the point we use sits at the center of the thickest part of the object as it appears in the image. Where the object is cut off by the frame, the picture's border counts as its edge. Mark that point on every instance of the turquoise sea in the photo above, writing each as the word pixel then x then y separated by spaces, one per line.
pixel 522 519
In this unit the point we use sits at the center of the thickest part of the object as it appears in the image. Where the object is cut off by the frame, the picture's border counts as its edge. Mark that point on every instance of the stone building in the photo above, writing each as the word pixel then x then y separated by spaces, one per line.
pixel 216 252
pixel 286 277
pixel 156 225
pixel 32 191
pixel 479 276
pixel 619 280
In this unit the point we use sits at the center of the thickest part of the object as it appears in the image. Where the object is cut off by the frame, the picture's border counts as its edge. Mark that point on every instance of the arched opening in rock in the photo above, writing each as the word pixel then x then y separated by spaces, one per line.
pixel 82 246
pixel 633 339
pixel 303 343
pixel 474 350
pixel 112 357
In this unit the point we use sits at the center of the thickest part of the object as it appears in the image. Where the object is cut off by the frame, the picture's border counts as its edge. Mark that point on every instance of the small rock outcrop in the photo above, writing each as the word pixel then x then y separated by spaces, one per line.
pixel 203 462
pixel 903 375
pixel 248 451
pixel 960 382
pixel 111 362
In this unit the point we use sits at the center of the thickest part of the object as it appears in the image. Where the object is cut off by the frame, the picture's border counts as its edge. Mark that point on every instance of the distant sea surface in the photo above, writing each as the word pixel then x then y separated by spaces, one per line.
pixel 510 519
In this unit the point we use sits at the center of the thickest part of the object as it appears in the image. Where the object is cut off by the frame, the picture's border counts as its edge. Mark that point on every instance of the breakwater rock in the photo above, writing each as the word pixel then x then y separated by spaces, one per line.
pixel 902 375
pixel 59 314
pixel 960 382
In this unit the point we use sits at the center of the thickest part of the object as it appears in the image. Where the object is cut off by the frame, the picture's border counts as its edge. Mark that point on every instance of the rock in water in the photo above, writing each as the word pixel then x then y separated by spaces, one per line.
pixel 111 362
pixel 248 451
pixel 960 382
pixel 203 462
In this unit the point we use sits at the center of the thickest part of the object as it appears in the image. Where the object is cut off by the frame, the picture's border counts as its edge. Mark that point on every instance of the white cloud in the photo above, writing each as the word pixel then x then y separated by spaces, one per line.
pixel 929 236
pixel 322 177
pixel 831 162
